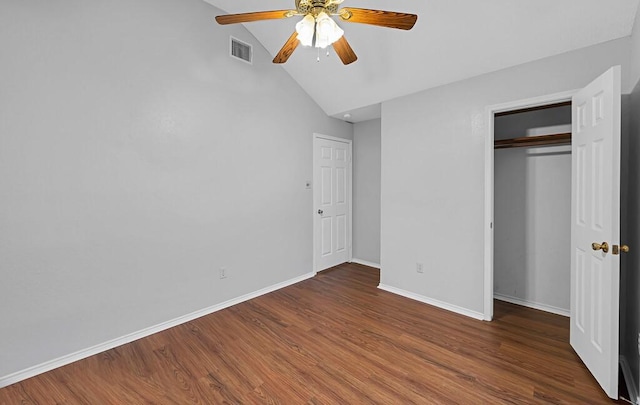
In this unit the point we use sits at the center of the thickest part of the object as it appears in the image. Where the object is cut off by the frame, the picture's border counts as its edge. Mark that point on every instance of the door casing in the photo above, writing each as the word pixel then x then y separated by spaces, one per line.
pixel 349 197
pixel 490 111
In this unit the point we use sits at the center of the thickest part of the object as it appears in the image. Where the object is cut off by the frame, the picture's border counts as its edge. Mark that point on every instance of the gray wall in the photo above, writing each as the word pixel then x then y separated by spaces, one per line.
pixel 631 261
pixel 532 211
pixel 433 159
pixel 635 51
pixel 366 191
pixel 630 317
pixel 136 159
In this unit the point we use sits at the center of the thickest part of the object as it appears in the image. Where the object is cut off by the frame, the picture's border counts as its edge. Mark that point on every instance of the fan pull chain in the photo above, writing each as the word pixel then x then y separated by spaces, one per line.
pixel 318 57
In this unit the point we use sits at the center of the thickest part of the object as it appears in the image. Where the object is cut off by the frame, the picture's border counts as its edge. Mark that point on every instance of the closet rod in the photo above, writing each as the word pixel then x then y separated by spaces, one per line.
pixel 542 140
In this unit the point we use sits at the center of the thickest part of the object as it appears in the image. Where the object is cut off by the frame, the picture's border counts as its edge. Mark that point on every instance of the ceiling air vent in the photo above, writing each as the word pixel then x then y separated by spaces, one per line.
pixel 241 50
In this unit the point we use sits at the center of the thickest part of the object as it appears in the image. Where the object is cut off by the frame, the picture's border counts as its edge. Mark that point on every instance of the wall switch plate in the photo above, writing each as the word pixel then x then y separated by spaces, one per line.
pixel 419 268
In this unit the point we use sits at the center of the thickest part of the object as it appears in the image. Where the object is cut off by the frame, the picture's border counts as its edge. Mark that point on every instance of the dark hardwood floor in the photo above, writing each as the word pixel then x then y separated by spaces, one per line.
pixel 332 339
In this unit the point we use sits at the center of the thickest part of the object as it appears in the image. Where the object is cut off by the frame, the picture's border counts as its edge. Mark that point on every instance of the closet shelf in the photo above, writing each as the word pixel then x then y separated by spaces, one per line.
pixel 542 140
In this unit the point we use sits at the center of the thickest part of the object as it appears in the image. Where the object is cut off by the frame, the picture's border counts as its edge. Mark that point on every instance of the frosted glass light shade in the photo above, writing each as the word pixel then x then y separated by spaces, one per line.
pixel 327 31
pixel 305 29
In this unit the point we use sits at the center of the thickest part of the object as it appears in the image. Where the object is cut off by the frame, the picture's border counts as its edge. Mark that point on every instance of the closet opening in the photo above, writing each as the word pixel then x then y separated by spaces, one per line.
pixel 532 207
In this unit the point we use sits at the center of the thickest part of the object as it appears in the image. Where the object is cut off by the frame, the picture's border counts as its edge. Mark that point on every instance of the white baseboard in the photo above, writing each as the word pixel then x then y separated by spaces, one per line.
pixel 99 348
pixel 366 263
pixel 534 305
pixel 628 378
pixel 431 301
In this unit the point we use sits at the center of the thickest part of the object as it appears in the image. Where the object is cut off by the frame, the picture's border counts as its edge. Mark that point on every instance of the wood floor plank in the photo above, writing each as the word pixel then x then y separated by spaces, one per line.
pixel 335 338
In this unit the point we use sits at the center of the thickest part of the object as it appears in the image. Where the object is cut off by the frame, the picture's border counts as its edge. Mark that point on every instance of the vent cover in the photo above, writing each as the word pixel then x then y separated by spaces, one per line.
pixel 241 50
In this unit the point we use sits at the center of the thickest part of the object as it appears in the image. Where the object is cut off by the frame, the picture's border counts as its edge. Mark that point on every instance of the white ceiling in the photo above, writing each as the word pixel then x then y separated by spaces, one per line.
pixel 452 40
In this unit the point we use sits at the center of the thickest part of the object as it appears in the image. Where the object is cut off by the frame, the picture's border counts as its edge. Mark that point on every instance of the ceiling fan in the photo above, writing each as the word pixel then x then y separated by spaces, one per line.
pixel 318 29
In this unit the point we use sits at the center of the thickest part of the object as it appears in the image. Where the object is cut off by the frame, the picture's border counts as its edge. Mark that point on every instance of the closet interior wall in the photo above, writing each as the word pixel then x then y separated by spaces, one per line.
pixel 532 234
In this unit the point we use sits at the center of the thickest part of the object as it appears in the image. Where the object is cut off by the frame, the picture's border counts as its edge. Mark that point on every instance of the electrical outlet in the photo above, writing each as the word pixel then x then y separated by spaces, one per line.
pixel 223 272
pixel 419 268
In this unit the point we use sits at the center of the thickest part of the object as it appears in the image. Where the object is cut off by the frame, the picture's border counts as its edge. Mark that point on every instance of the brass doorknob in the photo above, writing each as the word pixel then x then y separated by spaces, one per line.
pixel 604 246
pixel 617 249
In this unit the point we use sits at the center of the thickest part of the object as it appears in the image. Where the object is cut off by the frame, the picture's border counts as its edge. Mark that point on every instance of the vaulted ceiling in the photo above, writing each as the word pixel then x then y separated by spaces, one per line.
pixel 452 40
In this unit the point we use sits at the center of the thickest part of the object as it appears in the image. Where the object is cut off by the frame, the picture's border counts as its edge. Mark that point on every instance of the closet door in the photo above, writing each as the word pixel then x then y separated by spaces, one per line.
pixel 595 227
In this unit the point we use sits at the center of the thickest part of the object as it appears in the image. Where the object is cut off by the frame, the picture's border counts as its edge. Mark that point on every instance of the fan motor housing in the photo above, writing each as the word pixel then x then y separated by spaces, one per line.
pixel 315 7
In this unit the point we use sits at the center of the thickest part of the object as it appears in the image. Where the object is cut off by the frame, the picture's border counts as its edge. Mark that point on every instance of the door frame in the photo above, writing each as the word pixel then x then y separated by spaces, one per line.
pixel 349 196
pixel 489 195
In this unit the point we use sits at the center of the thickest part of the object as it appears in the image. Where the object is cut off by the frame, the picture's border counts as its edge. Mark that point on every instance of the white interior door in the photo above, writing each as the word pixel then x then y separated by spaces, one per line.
pixel 332 195
pixel 595 203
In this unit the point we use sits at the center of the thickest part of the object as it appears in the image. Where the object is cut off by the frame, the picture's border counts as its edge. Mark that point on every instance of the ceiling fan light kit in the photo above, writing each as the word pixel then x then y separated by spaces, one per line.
pixel 327 31
pixel 317 27
pixel 305 29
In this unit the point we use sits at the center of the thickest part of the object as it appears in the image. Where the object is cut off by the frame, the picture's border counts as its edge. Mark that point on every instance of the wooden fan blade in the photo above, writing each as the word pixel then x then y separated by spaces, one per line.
pixel 287 49
pixel 344 51
pixel 389 19
pixel 256 16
